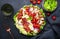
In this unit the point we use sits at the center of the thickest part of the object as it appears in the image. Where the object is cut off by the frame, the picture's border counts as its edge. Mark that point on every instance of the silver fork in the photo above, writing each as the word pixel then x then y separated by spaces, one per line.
pixel 8 29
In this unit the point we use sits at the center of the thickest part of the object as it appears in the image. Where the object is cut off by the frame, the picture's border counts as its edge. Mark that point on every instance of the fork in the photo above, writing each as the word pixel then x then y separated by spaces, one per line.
pixel 8 29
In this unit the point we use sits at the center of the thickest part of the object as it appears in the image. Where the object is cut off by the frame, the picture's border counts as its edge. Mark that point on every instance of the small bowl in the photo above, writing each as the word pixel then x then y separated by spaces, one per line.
pixel 7 9
pixel 51 9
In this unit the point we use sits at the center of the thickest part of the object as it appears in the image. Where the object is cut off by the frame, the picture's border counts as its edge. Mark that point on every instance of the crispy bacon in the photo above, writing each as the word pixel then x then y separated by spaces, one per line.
pixel 25 24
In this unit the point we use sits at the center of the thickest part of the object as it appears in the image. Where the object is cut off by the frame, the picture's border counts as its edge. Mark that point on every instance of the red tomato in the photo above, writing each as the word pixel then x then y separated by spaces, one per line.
pixel 38 2
pixel 33 15
pixel 54 18
pixel 29 13
pixel 36 25
pixel 48 14
pixel 34 2
pixel 31 0
pixel 34 20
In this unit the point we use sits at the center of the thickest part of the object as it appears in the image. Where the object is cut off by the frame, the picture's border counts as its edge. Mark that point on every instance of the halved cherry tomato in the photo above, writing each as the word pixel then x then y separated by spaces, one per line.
pixel 33 15
pixel 30 14
pixel 34 20
pixel 36 25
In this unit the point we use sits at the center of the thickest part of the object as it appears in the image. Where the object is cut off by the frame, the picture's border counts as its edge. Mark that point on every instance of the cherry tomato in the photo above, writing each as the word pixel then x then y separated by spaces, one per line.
pixel 29 13
pixel 54 17
pixel 38 2
pixel 48 14
pixel 34 14
pixel 34 20
pixel 31 0
pixel 34 2
pixel 36 25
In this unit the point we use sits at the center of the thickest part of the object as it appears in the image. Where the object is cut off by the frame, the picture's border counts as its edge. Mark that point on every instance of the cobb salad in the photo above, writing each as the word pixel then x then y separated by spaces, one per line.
pixel 29 20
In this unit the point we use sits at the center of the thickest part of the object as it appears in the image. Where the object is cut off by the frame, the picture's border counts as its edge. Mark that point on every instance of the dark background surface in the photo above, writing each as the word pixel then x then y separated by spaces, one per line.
pixel 50 31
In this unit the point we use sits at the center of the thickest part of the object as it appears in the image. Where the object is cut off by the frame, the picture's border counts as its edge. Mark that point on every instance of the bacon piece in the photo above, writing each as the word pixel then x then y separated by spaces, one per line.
pixel 36 25
pixel 19 16
pixel 25 24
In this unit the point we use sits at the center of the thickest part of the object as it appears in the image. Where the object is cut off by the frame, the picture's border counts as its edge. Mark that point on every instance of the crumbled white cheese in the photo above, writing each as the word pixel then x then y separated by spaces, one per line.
pixel 41 18
pixel 35 10
pixel 35 30
pixel 31 9
pixel 21 29
pixel 19 22
pixel 40 22
pixel 31 27
pixel 36 15
pixel 19 26
pixel 24 32
pixel 25 16
pixel 16 20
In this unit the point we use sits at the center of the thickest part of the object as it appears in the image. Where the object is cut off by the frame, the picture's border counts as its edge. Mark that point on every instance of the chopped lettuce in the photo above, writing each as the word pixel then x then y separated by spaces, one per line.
pixel 30 18
pixel 42 12
pixel 15 17
pixel 42 26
